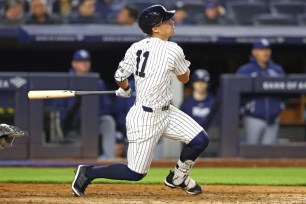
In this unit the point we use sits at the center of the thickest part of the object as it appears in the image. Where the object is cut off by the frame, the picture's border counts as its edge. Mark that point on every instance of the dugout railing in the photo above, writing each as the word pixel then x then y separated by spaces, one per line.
pixel 30 115
pixel 232 89
pixel 15 86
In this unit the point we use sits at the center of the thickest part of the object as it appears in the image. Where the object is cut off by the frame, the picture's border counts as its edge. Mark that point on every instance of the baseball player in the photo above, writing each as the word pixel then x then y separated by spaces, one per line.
pixel 201 105
pixel 153 61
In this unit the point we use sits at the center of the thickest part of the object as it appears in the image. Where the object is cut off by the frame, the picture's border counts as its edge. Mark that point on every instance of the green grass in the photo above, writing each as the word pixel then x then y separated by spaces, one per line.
pixel 226 176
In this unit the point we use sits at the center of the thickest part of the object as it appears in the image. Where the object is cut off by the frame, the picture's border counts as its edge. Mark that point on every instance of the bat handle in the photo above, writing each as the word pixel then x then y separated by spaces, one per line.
pixel 84 93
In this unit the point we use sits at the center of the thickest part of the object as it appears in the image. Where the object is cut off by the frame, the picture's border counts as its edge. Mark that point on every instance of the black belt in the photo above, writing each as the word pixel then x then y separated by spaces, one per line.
pixel 148 109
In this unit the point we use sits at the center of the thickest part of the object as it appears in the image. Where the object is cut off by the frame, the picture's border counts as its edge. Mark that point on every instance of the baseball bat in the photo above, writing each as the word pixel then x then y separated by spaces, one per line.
pixel 48 94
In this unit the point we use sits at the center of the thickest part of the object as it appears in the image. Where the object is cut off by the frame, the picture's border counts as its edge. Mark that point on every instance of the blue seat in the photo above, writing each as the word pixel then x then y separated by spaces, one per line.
pixel 301 19
pixel 293 8
pixel 274 20
pixel 141 5
pixel 2 3
pixel 115 8
pixel 243 12
pixel 246 1
pixel 194 10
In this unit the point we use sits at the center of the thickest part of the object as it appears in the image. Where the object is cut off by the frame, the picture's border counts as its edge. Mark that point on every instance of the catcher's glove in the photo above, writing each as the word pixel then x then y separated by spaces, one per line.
pixel 8 133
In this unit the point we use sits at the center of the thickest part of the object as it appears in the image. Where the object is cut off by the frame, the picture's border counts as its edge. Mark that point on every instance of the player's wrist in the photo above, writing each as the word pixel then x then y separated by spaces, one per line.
pixel 127 88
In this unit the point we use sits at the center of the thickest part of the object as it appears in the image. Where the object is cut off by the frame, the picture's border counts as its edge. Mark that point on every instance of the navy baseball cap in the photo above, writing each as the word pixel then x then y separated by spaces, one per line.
pixel 200 75
pixel 261 44
pixel 81 55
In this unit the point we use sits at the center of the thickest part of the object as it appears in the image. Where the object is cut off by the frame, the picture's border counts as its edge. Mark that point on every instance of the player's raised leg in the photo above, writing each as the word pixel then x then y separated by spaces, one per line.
pixel 142 143
pixel 117 171
pixel 183 128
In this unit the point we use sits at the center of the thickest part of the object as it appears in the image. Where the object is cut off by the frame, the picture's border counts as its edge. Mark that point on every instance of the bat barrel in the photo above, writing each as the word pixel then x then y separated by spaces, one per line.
pixel 49 94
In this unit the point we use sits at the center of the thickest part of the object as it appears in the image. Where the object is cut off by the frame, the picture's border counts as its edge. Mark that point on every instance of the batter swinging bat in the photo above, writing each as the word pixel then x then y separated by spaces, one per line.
pixel 48 94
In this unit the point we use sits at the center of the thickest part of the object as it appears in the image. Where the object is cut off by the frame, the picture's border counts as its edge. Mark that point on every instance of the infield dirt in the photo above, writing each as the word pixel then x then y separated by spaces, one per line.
pixel 153 194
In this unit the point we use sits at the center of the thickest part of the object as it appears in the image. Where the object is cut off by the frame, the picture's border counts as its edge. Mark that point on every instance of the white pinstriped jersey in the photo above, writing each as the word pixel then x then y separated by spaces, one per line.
pixel 153 62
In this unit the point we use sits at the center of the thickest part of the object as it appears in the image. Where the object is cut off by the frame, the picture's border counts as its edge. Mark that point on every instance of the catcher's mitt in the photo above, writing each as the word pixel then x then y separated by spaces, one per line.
pixel 8 133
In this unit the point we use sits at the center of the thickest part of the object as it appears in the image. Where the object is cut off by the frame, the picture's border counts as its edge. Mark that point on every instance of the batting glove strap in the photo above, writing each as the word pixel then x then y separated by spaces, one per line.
pixel 124 94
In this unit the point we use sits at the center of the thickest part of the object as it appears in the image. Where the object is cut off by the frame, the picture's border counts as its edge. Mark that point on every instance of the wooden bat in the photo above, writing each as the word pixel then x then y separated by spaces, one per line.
pixel 48 94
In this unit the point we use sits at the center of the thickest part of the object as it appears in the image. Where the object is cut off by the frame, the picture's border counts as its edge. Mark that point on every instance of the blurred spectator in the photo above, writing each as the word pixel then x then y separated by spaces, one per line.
pixel 127 16
pixel 261 112
pixel 180 16
pixel 104 8
pixel 62 7
pixel 121 108
pixel 40 15
pixel 86 13
pixel 70 108
pixel 214 14
pixel 13 12
pixel 200 104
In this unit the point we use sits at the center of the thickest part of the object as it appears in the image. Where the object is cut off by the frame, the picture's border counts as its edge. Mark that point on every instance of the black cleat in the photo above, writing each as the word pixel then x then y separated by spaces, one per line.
pixel 81 181
pixel 193 191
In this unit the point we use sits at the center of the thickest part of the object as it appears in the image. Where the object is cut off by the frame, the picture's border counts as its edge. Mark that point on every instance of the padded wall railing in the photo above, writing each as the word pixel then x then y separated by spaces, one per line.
pixel 17 84
pixel 30 115
pixel 231 89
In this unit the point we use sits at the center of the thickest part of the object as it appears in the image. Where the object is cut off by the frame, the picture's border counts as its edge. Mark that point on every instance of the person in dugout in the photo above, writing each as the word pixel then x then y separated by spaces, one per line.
pixel 200 104
pixel 261 112
pixel 70 108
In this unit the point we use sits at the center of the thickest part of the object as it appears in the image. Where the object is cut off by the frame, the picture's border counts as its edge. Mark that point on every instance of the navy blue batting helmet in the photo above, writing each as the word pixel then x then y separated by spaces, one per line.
pixel 153 16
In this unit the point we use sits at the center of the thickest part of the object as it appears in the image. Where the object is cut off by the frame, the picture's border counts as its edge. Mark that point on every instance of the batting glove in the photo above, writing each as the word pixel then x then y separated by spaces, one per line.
pixel 124 94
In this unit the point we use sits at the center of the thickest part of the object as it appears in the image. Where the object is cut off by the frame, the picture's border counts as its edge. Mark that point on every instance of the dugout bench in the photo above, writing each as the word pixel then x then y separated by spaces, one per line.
pixel 232 87
pixel 30 116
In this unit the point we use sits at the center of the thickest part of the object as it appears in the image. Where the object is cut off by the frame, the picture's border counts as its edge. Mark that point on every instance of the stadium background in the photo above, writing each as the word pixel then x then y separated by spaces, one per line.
pixel 221 57
pixel 23 50
pixel 45 57
pixel 35 56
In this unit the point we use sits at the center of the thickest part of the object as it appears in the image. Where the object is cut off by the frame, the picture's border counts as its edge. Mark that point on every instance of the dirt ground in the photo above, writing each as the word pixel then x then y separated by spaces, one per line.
pixel 159 194
pixel 153 194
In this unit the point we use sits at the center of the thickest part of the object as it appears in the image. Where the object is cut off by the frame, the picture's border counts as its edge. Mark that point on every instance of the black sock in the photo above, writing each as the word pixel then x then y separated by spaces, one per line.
pixel 116 171
pixel 196 146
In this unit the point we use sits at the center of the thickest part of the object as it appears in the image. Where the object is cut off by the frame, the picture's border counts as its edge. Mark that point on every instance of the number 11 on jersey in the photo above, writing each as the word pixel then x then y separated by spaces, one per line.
pixel 144 63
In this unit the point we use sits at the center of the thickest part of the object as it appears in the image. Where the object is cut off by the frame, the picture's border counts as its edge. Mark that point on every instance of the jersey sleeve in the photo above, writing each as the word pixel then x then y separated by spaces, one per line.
pixel 180 63
pixel 128 62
